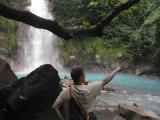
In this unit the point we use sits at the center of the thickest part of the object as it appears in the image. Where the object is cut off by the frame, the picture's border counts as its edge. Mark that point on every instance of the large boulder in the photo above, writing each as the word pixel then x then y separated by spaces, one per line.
pixel 134 112
pixel 31 97
pixel 7 76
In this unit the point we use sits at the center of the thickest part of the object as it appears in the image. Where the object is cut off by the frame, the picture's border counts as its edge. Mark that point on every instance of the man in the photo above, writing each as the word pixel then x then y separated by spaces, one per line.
pixel 83 92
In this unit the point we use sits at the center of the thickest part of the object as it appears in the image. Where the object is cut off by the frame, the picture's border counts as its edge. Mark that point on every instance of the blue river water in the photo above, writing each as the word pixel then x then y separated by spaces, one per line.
pixel 143 91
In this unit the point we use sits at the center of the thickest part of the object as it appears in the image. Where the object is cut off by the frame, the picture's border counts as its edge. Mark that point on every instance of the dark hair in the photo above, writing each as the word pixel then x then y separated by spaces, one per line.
pixel 76 73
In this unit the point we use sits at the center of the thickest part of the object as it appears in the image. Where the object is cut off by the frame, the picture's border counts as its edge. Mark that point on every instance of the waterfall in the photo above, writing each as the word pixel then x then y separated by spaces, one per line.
pixel 41 46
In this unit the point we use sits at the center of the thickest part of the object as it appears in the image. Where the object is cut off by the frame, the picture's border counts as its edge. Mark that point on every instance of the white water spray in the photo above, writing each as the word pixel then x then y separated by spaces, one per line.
pixel 42 45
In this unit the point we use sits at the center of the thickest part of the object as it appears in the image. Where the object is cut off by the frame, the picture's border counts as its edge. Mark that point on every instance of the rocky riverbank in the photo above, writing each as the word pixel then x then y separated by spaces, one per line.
pixel 107 65
pixel 124 112
pixel 31 97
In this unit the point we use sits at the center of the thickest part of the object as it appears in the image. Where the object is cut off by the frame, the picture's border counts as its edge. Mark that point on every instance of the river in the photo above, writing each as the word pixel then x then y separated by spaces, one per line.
pixel 129 88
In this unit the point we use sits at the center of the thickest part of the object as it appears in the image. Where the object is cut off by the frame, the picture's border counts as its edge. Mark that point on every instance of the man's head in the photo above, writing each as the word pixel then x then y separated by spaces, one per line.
pixel 77 75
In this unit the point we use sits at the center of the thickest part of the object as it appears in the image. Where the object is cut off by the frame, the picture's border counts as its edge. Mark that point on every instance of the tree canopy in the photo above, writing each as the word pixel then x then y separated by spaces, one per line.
pixel 64 32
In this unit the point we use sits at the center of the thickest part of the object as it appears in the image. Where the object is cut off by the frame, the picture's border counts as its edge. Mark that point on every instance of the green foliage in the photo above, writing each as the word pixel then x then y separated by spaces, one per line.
pixel 144 42
pixel 8 28
pixel 93 4
pixel 84 50
pixel 153 17
pixel 122 1
pixel 67 12
pixel 138 48
pixel 77 12
pixel 85 21
pixel 14 3
pixel 117 33
pixel 131 10
pixel 12 43
pixel 7 25
pixel 133 35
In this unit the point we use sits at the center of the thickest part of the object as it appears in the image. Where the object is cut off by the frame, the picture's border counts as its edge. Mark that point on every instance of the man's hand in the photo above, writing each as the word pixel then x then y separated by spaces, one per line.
pixel 118 68
pixel 110 76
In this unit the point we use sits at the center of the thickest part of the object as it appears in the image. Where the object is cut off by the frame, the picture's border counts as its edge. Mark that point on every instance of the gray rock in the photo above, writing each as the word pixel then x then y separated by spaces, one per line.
pixel 7 76
pixel 129 111
pixel 117 117
pixel 132 112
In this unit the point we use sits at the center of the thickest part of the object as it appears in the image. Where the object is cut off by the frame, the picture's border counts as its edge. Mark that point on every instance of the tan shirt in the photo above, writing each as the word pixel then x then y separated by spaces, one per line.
pixel 84 94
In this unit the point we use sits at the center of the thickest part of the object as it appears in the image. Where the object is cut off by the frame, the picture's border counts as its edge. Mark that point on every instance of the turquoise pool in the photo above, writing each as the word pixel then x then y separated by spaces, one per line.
pixel 129 88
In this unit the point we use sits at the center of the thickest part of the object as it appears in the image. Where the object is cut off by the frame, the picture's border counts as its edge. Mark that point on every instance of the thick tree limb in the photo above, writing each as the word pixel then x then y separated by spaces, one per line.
pixel 34 20
pixel 66 33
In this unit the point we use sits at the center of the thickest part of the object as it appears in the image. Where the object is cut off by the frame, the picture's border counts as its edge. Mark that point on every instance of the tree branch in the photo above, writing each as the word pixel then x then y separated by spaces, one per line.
pixel 66 33
pixel 97 29
pixel 34 20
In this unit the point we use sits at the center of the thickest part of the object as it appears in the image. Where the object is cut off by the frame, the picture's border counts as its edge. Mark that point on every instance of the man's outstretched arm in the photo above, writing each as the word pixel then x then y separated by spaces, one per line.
pixel 110 76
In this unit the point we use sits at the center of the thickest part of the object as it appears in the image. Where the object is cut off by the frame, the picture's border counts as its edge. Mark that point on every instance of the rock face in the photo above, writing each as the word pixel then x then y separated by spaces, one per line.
pixel 6 74
pixel 31 97
pixel 132 112
pixel 125 112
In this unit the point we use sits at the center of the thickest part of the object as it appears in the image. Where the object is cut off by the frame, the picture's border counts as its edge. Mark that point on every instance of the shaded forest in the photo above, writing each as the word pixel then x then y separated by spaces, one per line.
pixel 132 37
pixel 8 30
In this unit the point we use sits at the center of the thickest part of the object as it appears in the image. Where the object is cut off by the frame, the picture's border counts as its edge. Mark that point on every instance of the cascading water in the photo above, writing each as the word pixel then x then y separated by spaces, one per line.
pixel 41 46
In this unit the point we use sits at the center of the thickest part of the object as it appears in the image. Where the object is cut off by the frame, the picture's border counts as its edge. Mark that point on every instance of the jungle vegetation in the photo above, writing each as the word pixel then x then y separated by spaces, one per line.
pixel 126 30
pixel 133 36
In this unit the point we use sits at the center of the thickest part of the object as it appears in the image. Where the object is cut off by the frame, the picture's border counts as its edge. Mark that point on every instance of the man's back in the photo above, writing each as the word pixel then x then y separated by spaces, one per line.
pixel 86 94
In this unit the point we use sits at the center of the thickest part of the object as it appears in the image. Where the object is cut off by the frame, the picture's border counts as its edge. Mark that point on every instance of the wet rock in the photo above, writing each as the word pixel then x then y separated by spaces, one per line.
pixel 132 112
pixel 31 97
pixel 129 111
pixel 117 117
pixel 139 72
pixel 7 76
pixel 104 114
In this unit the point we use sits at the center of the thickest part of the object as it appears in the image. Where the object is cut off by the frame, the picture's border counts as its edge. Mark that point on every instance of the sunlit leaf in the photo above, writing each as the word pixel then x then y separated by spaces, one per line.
pixel 92 4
